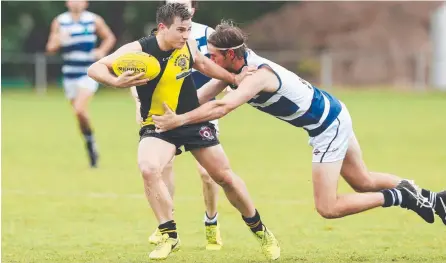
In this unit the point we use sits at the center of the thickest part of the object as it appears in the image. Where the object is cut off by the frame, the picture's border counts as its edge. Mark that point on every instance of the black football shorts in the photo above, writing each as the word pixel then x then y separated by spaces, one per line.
pixel 193 136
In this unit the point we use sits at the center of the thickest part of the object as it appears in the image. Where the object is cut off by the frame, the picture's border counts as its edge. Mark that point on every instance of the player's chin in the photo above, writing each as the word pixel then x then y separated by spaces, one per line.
pixel 180 44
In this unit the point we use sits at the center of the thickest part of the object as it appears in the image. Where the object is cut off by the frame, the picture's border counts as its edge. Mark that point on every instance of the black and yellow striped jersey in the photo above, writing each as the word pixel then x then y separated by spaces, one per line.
pixel 174 84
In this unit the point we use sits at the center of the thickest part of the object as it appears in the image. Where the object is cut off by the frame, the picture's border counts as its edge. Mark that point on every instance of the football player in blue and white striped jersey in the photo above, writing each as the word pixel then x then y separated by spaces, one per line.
pixel 74 34
pixel 281 93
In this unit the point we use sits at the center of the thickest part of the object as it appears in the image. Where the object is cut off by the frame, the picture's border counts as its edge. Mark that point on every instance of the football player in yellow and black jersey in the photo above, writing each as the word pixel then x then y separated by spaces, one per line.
pixel 173 88
pixel 211 190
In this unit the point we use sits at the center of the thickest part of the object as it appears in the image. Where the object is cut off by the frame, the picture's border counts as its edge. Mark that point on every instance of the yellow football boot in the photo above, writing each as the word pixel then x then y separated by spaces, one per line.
pixel 213 237
pixel 156 237
pixel 269 244
pixel 166 246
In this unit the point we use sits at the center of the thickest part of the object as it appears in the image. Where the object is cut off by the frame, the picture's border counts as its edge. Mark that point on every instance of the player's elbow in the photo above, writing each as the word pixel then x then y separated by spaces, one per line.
pixel 224 108
pixel 229 108
pixel 221 112
pixel 51 49
pixel 111 39
pixel 91 71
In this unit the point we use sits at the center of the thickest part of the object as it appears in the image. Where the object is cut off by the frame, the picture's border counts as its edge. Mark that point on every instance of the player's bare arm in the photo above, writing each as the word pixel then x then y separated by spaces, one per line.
pixel 54 39
pixel 101 70
pixel 210 90
pixel 107 37
pixel 263 79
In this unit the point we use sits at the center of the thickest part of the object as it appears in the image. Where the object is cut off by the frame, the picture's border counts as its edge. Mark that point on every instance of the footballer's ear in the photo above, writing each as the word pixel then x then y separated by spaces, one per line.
pixel 231 53
pixel 161 26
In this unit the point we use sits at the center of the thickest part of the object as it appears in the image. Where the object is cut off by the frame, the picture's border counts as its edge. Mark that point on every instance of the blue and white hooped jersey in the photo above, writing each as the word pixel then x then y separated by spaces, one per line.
pixel 77 48
pixel 201 33
pixel 296 101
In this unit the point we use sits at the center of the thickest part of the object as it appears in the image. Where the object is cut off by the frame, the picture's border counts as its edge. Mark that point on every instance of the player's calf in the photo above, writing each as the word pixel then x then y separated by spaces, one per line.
pixel 90 142
pixel 210 193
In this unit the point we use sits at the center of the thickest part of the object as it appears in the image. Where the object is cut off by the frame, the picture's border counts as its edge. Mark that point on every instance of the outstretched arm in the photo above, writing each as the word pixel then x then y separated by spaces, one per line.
pixel 210 90
pixel 262 79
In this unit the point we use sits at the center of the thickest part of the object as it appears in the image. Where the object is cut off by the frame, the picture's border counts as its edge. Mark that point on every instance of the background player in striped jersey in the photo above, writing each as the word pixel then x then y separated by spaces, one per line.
pixel 74 33
pixel 282 94
pixel 200 34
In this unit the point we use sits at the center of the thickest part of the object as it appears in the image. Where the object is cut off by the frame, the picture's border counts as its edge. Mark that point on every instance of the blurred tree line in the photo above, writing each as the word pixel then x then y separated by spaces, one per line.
pixel 25 25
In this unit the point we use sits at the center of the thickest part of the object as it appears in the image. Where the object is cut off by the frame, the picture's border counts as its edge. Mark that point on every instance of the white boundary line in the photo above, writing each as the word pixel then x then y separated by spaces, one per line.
pixel 136 196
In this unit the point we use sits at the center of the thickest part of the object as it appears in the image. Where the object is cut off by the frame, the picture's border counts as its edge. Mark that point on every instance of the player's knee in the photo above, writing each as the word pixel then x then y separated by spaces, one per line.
pixel 79 111
pixel 327 212
pixel 222 177
pixel 149 171
pixel 169 165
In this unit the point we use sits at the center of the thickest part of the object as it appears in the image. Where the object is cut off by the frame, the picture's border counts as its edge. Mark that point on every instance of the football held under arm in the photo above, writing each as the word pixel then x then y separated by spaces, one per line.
pixel 101 70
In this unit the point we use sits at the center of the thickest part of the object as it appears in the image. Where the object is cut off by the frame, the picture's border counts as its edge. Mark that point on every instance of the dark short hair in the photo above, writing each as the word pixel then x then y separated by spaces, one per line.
pixel 166 13
pixel 228 35
pixel 194 4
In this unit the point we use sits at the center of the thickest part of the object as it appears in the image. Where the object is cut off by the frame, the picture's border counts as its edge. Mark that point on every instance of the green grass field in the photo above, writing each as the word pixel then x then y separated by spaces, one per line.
pixel 56 209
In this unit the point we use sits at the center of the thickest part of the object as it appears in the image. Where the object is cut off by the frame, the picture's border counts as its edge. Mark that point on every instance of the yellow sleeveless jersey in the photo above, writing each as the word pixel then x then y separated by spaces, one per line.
pixel 174 84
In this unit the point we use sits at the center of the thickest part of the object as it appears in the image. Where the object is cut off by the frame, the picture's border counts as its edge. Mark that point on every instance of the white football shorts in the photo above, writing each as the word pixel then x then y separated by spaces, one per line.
pixel 332 144
pixel 71 86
